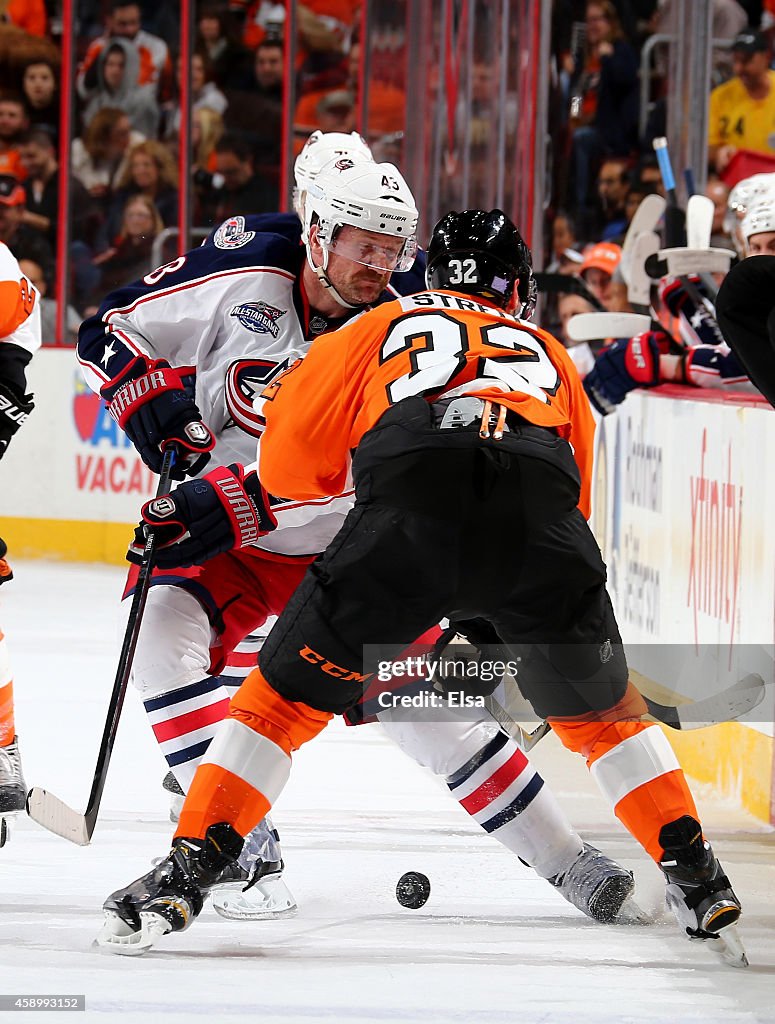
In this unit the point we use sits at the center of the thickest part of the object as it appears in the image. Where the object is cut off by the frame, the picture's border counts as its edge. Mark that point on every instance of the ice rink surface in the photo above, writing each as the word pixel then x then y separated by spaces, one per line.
pixel 493 944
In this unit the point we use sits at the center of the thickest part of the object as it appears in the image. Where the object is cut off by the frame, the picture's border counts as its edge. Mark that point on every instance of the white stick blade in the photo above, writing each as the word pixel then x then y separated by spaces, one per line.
pixel 594 326
pixel 646 217
pixel 696 261
pixel 699 222
pixel 728 706
pixel 55 815
pixel 639 286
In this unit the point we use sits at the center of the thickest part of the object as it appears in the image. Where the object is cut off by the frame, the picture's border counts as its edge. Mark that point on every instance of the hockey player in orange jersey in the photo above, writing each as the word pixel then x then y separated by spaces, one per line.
pixel 468 437
pixel 19 339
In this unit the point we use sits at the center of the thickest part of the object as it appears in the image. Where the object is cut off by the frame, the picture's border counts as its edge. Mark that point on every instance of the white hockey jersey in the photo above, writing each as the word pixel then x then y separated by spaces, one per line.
pixel 234 313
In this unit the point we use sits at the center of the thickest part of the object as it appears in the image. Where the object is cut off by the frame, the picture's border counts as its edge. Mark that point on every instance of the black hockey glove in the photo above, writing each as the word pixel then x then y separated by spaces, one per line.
pixel 475 668
pixel 14 410
pixel 223 511
pixel 153 406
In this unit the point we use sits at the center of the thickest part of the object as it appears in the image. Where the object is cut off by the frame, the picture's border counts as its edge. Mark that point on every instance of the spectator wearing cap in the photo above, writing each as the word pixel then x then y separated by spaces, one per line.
pixel 23 240
pixel 742 111
pixel 598 268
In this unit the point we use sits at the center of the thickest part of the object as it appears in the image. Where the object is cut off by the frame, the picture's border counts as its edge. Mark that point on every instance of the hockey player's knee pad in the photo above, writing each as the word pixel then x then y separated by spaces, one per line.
pixel 173 647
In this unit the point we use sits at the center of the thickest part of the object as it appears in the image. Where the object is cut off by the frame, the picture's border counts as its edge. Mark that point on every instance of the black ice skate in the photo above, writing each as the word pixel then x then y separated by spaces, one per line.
pixel 253 888
pixel 13 790
pixel 599 888
pixel 698 891
pixel 171 895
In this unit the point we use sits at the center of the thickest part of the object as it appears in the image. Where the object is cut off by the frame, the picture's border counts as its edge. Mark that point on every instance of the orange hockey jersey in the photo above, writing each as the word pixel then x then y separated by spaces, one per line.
pixel 432 344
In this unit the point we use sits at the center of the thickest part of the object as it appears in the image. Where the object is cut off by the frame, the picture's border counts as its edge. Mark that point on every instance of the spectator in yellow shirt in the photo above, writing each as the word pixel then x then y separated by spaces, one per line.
pixel 742 110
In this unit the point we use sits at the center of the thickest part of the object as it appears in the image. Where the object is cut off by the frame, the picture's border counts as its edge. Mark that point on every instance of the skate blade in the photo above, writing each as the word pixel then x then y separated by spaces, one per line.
pixel 728 947
pixel 267 899
pixel 117 936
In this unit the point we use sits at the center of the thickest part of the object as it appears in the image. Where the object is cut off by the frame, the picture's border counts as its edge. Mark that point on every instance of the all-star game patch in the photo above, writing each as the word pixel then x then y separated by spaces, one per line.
pixel 259 317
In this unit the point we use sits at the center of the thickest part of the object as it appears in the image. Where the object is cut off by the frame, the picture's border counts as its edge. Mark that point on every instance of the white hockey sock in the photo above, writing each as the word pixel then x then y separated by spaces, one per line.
pixel 504 794
pixel 492 779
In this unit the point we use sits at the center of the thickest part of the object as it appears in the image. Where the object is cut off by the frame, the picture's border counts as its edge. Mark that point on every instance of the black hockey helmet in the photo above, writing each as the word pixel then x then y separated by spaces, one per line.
pixel 480 252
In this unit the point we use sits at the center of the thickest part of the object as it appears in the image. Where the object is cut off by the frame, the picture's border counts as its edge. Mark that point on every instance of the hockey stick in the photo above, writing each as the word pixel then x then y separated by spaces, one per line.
pixel 45 808
pixel 727 706
pixel 738 699
pixel 644 221
pixel 526 740
pixel 594 326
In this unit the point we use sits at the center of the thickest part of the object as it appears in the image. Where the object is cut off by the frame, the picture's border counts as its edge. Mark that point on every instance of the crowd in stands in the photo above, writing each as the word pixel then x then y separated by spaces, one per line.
pixel 124 153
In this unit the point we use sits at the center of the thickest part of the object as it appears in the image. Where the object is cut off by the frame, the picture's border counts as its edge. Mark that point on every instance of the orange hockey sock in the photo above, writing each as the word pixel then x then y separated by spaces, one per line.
pixel 634 765
pixel 248 762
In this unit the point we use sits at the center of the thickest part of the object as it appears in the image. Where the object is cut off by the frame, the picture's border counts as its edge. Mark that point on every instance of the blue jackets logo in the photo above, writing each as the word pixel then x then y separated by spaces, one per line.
pixel 259 317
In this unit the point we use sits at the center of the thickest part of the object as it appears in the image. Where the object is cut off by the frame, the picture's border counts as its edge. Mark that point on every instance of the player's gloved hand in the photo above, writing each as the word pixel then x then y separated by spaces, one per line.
pixel 627 364
pixel 151 403
pixel 697 319
pixel 475 668
pixel 14 410
pixel 222 511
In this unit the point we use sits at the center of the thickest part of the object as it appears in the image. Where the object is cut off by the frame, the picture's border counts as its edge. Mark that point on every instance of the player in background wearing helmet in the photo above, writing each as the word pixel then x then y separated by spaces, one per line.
pixel 701 356
pixel 353 238
pixel 445 409
pixel 745 304
pixel 19 340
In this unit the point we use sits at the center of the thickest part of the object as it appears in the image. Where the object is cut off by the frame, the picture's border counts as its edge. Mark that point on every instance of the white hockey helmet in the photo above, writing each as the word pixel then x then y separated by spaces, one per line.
pixel 742 197
pixel 319 150
pixel 369 196
pixel 759 219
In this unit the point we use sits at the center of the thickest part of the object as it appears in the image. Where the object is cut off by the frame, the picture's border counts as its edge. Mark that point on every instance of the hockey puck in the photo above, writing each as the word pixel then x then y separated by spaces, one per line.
pixel 413 890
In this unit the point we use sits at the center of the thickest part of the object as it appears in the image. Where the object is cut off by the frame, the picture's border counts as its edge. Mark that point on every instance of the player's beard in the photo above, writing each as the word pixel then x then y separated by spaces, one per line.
pixel 364 287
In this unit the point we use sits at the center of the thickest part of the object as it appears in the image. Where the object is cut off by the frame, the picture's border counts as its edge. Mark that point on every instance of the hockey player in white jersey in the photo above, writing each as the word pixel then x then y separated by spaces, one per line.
pixel 19 340
pixel 358 226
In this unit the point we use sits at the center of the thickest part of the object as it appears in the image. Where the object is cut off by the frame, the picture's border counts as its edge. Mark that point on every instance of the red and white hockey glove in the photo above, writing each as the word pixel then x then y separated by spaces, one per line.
pixel 153 404
pixel 625 365
pixel 223 511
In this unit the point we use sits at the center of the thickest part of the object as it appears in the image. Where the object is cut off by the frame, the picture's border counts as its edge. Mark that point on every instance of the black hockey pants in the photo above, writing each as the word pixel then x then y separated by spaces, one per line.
pixel 448 524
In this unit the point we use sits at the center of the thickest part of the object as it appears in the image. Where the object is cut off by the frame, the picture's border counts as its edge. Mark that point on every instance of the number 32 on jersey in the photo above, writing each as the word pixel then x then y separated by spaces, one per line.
pixel 438 343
